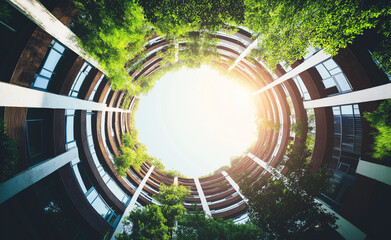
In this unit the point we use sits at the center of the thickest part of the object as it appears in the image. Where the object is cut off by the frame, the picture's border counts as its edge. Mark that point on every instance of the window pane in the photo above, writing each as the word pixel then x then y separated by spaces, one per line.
pixel 52 60
pixel 342 82
pixel 41 82
pixel 329 82
pixel 46 73
pixel 59 47
pixel 69 128
pixel 322 71
pixel 34 133
pixel 330 64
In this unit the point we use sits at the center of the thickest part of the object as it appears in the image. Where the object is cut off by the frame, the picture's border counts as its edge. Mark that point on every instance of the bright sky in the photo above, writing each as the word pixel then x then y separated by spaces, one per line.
pixel 195 120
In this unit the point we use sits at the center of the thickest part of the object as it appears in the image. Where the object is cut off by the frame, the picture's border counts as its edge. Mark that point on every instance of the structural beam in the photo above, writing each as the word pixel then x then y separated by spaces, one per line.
pixel 233 184
pixel 375 171
pixel 130 207
pixel 201 194
pixel 344 227
pixel 37 13
pixel 35 173
pixel 12 96
pixel 367 95
pixel 309 63
pixel 244 54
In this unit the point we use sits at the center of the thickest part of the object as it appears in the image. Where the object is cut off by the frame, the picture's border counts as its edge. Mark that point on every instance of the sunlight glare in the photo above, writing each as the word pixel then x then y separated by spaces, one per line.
pixel 195 120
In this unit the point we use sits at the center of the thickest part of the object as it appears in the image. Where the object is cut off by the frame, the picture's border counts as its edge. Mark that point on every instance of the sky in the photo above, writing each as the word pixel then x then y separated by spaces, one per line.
pixel 195 120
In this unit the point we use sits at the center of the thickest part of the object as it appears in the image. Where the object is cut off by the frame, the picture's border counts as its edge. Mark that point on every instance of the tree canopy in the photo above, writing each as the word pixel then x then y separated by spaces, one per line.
pixel 197 226
pixel 157 221
pixel 285 207
pixel 9 154
pixel 380 119
pixel 287 28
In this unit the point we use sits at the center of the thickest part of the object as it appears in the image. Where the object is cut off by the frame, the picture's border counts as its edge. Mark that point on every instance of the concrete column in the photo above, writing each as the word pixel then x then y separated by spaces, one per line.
pixel 244 54
pixel 130 207
pixel 367 95
pixel 375 171
pixel 309 63
pixel 344 227
pixel 175 180
pixel 35 173
pixel 233 184
pixel 264 165
pixel 205 205
pixel 16 96
pixel 37 13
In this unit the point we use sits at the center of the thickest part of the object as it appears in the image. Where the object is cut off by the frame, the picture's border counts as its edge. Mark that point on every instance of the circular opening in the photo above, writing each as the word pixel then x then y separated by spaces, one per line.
pixel 196 120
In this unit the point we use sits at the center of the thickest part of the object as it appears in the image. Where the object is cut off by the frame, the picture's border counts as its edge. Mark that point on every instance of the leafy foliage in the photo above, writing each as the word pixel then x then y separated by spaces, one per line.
pixel 174 173
pixel 113 32
pixel 157 221
pixel 285 207
pixel 5 11
pixel 172 195
pixel 175 18
pixel 9 154
pixel 382 52
pixel 380 119
pixel 199 227
pixel 287 28
pixel 270 124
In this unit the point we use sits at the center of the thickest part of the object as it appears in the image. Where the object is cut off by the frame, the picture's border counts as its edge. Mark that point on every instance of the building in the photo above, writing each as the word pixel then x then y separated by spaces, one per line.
pixel 68 123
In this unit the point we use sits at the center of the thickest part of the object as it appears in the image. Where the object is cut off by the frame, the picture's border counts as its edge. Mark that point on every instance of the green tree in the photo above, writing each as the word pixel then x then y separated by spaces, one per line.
pixel 197 226
pixel 285 207
pixel 157 221
pixel 113 32
pixel 380 119
pixel 287 28
pixel 176 18
pixel 9 154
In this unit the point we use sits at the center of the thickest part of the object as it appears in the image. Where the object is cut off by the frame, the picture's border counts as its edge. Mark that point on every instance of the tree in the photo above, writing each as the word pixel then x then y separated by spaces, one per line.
pixel 176 18
pixel 285 207
pixel 197 226
pixel 380 119
pixel 9 154
pixel 287 28
pixel 157 221
pixel 113 32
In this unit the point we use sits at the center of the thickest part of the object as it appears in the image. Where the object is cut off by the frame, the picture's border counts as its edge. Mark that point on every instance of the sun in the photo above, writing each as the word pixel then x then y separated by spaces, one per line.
pixel 195 120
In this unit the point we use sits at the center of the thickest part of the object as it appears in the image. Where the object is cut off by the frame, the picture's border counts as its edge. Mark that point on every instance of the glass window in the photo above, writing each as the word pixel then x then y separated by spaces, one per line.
pixel 34 137
pixel 329 82
pixel 92 195
pixel 323 71
pixel 100 206
pixel 330 64
pixel 43 77
pixel 41 82
pixel 52 60
pixel 69 128
pixel 342 82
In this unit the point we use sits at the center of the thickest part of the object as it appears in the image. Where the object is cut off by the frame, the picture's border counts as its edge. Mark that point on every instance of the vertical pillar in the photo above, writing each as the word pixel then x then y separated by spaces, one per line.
pixel 32 175
pixel 244 54
pixel 130 207
pixel 37 13
pixel 11 96
pixel 233 184
pixel 175 180
pixel 205 205
pixel 367 95
pixel 309 63
pixel 375 171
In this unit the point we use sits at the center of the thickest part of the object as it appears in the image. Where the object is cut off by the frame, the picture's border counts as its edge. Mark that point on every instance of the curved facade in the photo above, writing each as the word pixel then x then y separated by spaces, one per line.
pixel 68 123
